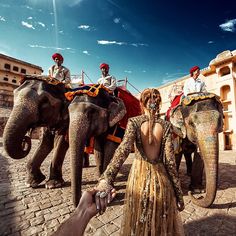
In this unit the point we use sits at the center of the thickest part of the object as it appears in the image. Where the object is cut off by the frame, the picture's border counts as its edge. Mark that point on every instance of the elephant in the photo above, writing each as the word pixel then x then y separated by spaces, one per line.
pixel 92 117
pixel 199 119
pixel 38 102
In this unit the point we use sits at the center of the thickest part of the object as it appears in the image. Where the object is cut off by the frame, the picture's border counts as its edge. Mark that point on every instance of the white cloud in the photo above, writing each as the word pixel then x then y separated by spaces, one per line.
pixel 27 25
pixel 42 24
pixel 86 52
pixel 229 25
pixel 86 27
pixel 54 48
pixel 106 42
pixel 2 18
pixel 128 71
pixel 144 71
pixel 210 42
pixel 61 32
pixel 30 18
pixel 28 7
pixel 117 20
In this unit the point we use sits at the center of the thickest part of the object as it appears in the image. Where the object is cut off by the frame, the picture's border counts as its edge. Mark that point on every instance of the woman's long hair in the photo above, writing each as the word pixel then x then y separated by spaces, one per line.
pixel 151 99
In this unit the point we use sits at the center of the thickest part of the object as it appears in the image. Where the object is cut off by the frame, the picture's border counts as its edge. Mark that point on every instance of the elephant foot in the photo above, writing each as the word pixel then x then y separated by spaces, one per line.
pixel 196 190
pixel 86 163
pixel 34 180
pixel 54 183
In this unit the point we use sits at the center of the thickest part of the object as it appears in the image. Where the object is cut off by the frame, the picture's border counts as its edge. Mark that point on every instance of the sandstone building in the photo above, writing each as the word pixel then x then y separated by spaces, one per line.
pixel 11 71
pixel 220 78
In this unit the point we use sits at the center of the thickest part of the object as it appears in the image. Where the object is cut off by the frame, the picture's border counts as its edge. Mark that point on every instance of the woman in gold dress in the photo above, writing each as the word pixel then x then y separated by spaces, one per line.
pixel 153 193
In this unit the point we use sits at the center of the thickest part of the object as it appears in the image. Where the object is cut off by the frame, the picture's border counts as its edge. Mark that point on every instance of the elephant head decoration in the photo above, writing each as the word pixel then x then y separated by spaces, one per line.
pixel 200 119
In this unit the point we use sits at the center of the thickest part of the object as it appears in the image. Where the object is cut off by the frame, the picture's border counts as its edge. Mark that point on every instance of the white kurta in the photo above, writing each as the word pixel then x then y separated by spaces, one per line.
pixel 194 86
pixel 60 73
pixel 109 82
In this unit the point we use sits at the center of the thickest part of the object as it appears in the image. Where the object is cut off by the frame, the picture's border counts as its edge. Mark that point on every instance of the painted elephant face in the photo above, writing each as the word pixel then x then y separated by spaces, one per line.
pixel 202 117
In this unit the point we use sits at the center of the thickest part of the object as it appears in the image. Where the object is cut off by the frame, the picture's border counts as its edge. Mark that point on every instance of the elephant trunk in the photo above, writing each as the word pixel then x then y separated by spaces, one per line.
pixel 209 149
pixel 78 132
pixel 15 143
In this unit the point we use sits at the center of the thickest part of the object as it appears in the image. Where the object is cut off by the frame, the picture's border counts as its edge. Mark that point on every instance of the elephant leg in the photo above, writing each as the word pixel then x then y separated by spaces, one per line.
pixel 178 158
pixel 188 161
pixel 99 156
pixel 109 150
pixel 196 175
pixel 35 176
pixel 60 148
pixel 86 160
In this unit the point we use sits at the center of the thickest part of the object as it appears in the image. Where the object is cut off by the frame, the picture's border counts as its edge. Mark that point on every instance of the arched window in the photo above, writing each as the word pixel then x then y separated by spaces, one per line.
pixel 224 71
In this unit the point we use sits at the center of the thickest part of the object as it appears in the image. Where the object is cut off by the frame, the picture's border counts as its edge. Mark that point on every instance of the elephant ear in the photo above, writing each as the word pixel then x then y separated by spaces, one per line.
pixel 221 121
pixel 177 120
pixel 117 111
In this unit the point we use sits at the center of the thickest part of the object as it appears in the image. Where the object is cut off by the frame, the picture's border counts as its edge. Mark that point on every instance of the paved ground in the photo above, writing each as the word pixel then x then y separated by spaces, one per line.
pixel 25 211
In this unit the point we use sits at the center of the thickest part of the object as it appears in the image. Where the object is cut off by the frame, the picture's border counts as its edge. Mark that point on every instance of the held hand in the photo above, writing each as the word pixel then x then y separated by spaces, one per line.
pixel 180 205
pixel 87 203
pixel 105 194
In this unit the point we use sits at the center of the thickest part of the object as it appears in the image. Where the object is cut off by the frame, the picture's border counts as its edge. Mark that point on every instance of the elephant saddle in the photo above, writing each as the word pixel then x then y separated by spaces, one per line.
pixel 187 100
pixel 90 89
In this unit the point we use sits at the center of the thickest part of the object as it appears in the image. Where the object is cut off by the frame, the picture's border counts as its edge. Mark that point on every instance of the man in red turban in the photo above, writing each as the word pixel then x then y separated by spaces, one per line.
pixel 58 71
pixel 194 84
pixel 107 80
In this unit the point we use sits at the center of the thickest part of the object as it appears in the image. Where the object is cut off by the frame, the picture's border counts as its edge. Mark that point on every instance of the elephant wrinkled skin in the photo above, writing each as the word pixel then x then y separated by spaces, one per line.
pixel 200 122
pixel 38 104
pixel 92 117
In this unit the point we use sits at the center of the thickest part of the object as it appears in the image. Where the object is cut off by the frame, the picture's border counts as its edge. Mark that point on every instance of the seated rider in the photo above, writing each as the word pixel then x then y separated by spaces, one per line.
pixel 58 71
pixel 194 84
pixel 107 80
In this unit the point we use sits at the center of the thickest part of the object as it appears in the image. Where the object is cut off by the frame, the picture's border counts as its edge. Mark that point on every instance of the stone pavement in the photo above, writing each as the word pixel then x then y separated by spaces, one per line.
pixel 25 211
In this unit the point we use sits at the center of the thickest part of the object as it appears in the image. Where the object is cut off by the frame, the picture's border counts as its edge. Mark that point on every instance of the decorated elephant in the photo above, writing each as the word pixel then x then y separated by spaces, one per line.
pixel 200 119
pixel 39 102
pixel 92 114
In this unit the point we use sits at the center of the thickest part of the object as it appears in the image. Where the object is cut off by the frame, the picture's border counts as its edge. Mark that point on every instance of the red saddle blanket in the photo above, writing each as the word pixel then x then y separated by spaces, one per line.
pixel 132 105
pixel 176 101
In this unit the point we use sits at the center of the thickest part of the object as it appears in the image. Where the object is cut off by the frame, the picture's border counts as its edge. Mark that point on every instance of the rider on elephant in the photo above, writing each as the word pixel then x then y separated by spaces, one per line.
pixel 194 84
pixel 107 80
pixel 58 71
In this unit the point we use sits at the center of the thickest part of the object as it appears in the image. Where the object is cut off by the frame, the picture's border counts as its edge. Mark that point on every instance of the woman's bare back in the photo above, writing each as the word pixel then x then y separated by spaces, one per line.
pixel 152 150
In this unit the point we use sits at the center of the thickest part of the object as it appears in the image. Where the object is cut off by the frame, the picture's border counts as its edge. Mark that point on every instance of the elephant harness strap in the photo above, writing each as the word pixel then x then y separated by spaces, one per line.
pixel 90 89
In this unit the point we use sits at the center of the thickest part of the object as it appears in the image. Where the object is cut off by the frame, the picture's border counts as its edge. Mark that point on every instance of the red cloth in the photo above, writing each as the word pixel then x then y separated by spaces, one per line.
pixel 104 65
pixel 132 105
pixel 57 55
pixel 176 101
pixel 193 69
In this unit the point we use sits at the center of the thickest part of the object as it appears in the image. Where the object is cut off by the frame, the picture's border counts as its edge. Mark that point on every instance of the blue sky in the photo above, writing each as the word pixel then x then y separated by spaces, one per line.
pixel 151 42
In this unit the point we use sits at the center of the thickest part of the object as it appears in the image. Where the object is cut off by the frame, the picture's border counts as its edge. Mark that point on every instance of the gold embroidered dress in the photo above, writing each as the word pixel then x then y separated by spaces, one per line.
pixel 153 186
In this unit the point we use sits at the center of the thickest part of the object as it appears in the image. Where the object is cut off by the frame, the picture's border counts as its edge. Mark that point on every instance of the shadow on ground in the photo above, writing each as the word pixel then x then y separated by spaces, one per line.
pixel 207 226
pixel 6 211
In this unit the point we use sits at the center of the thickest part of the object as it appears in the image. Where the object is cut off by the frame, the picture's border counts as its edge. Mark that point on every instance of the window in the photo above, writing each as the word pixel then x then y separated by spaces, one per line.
pixel 23 71
pixel 5 78
pixel 7 66
pixel 15 68
pixel 224 71
pixel 14 81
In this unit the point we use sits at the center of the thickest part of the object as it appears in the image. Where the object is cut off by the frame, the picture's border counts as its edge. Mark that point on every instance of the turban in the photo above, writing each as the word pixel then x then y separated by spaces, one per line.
pixel 104 65
pixel 193 69
pixel 57 55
